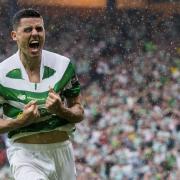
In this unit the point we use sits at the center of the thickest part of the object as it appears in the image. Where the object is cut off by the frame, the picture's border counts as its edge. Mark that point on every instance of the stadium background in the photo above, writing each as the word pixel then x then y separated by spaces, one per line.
pixel 127 55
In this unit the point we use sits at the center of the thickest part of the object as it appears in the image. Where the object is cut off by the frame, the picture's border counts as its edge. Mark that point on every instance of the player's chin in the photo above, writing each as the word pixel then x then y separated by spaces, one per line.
pixel 35 52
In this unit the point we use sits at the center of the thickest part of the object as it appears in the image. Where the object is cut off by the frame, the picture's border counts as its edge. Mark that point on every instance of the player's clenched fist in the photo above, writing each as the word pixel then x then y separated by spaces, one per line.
pixel 54 103
pixel 29 114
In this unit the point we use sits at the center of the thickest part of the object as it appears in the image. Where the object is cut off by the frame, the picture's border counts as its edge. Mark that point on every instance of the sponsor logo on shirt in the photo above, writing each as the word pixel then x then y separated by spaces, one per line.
pixel 21 97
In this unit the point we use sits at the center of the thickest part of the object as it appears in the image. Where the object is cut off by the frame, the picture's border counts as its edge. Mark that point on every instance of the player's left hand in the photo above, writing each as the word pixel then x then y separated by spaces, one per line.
pixel 54 103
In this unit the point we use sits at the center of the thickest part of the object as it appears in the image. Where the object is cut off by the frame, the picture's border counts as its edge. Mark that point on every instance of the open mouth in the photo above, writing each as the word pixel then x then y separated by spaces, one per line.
pixel 34 44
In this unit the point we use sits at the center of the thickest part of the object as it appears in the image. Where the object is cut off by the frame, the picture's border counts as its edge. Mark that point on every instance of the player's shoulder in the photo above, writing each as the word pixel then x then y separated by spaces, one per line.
pixel 55 61
pixel 8 63
pixel 8 60
pixel 51 57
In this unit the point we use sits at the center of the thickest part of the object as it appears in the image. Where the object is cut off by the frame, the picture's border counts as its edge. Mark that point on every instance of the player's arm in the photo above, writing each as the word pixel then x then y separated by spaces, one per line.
pixel 9 125
pixel 29 115
pixel 74 112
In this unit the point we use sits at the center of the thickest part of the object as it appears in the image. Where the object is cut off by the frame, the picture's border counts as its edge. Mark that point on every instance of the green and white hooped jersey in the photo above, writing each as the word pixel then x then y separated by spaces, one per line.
pixel 16 90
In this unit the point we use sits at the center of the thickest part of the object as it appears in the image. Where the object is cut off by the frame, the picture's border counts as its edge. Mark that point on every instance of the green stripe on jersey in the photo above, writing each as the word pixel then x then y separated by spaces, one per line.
pixel 11 111
pixel 23 96
pixel 65 79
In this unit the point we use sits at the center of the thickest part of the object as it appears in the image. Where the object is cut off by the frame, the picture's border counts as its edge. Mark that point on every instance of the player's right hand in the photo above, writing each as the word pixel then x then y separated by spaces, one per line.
pixel 29 114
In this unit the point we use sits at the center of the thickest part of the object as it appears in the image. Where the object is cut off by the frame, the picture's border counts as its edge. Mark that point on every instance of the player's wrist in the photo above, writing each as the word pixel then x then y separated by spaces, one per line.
pixel 21 120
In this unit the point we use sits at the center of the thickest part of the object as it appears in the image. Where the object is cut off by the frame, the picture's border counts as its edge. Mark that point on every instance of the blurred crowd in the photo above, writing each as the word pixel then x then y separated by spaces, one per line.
pixel 129 67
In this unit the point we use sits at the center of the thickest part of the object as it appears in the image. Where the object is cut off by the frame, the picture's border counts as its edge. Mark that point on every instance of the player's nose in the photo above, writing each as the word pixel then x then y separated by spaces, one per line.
pixel 34 32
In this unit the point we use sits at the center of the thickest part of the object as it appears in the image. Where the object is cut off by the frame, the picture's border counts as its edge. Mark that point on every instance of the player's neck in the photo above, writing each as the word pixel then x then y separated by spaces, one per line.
pixel 30 63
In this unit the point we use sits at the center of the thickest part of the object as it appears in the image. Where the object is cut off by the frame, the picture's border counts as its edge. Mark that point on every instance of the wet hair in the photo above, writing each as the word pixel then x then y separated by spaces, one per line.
pixel 24 13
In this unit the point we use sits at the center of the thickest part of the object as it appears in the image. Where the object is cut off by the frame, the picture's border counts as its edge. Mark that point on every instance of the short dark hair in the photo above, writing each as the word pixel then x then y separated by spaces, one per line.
pixel 24 13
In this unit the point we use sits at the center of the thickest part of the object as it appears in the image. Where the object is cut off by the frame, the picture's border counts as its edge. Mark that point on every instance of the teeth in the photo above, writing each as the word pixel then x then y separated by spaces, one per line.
pixel 34 42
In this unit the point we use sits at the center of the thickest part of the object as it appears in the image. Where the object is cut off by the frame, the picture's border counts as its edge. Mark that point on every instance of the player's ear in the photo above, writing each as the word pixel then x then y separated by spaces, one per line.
pixel 13 35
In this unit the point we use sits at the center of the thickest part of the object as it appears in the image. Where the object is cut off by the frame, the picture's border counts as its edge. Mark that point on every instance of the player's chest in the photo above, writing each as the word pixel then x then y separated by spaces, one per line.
pixel 24 92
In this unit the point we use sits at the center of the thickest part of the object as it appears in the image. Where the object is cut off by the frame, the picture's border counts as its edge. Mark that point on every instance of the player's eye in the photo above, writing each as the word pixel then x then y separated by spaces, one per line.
pixel 28 29
pixel 39 29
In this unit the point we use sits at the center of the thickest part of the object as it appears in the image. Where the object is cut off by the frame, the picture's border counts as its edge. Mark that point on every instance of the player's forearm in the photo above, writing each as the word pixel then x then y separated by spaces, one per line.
pixel 10 124
pixel 7 125
pixel 73 114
